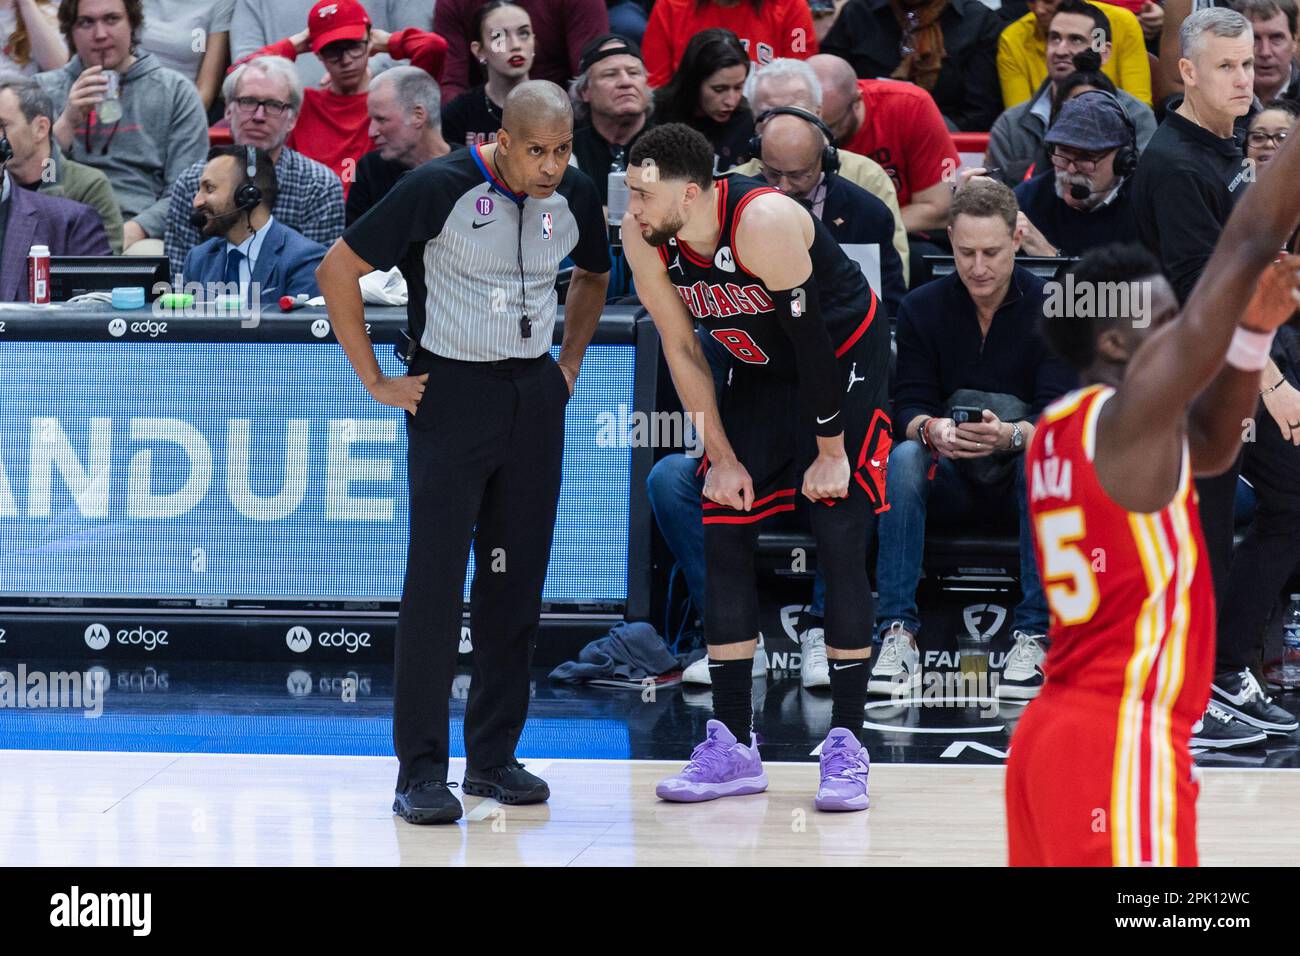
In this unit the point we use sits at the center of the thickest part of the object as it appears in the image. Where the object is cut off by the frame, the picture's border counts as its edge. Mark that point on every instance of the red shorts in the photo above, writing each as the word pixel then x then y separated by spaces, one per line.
pixel 1076 799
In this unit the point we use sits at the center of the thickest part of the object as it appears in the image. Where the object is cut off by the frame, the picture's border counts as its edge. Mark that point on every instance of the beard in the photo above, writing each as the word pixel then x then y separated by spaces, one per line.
pixel 660 235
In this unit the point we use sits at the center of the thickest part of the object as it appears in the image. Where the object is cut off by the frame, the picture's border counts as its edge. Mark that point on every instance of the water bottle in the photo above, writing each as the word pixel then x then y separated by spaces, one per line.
pixel 1288 674
pixel 110 108
pixel 38 275
pixel 617 192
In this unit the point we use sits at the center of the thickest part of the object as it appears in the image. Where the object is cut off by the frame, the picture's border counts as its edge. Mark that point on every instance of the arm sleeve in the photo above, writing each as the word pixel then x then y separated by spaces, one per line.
pixel 247 29
pixel 657 46
pixel 1131 52
pixel 916 379
pixel 185 144
pixel 303 277
pixel 591 254
pixel 449 22
pixel 100 198
pixel 360 196
pixel 426 50
pixel 223 11
pixel 86 235
pixel 799 314
pixel 1015 81
pixel 413 211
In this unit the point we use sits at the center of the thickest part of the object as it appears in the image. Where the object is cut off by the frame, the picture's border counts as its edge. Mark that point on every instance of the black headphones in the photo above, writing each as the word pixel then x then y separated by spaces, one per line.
pixel 248 196
pixel 1126 157
pixel 6 151
pixel 830 155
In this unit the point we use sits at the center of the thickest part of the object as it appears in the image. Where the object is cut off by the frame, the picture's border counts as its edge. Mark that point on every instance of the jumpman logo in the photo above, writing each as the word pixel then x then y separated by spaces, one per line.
pixel 677 263
pixel 854 377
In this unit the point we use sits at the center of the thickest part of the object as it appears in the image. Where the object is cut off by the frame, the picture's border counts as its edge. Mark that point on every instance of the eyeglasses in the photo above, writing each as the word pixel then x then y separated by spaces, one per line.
pixel 1083 162
pixel 249 105
pixel 336 52
pixel 1258 138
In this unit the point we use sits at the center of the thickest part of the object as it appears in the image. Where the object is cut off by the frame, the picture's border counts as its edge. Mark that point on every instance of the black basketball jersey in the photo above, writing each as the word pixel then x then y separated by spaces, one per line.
pixel 736 308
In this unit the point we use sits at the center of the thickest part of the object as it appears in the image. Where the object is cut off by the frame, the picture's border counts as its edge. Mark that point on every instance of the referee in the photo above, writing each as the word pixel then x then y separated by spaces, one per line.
pixel 479 235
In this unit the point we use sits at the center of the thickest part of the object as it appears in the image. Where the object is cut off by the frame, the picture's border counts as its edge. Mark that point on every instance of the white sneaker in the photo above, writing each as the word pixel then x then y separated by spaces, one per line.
pixel 898 666
pixel 813 669
pixel 698 673
pixel 1022 675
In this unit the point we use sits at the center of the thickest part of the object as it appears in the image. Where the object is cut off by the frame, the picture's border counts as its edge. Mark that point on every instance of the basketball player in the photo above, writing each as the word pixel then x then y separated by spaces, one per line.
pixel 1100 771
pixel 802 412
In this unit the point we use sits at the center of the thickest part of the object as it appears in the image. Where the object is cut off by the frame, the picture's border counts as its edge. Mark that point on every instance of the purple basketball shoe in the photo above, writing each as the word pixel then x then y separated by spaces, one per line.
pixel 719 767
pixel 844 773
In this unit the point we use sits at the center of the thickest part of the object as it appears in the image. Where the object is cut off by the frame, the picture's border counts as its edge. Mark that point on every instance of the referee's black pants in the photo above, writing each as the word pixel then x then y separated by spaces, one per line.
pixel 485 449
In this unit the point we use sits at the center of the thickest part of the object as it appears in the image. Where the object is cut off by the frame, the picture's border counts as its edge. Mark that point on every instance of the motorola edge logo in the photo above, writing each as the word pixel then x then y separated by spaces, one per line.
pixel 298 639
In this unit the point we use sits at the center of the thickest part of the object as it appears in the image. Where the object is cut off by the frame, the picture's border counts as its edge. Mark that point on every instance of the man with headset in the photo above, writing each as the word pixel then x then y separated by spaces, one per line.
pixel 1084 199
pixel 246 248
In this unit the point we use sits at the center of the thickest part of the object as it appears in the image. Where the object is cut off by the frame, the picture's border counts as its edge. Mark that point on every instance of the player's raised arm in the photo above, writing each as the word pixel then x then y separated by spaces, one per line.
pixel 686 361
pixel 763 244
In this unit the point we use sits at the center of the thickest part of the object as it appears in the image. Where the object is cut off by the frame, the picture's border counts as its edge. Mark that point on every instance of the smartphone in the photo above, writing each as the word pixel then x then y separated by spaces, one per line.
pixel 967 414
pixel 822 7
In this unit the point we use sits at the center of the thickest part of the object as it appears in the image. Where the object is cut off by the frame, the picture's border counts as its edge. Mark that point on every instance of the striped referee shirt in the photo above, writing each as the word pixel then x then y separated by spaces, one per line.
pixel 478 257
pixel 309 201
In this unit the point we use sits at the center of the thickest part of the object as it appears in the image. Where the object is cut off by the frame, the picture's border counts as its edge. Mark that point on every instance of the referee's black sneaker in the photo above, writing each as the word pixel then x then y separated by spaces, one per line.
pixel 1219 730
pixel 428 802
pixel 1239 694
pixel 510 784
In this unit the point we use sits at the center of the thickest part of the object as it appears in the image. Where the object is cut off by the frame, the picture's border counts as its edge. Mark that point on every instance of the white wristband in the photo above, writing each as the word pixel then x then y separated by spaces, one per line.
pixel 1249 350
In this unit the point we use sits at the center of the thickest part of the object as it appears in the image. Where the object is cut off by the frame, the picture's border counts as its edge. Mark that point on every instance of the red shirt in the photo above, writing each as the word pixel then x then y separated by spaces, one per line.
pixel 780 28
pixel 335 129
pixel 905 134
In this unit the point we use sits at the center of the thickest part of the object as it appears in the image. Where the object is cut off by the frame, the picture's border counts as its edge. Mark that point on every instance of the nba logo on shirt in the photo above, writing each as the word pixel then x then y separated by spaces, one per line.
pixel 546 225
pixel 796 308
pixel 484 206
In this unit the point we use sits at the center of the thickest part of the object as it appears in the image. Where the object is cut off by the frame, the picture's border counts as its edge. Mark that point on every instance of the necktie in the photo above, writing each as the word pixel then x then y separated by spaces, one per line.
pixel 233 258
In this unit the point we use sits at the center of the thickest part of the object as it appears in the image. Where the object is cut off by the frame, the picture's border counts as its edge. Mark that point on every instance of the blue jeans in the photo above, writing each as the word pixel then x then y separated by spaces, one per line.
pixel 674 489
pixel 950 498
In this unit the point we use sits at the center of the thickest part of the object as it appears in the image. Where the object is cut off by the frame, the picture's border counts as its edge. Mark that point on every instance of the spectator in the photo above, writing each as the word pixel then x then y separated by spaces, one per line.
pixel 707 94
pixel 172 30
pixel 1187 182
pixel 628 19
pixel 405 118
pixel 29 36
pixel 263 99
pixel 245 245
pixel 333 126
pixel 504 48
pixel 970 338
pixel 1269 128
pixel 799 158
pixel 561 28
pixel 161 128
pixel 1085 199
pixel 952 51
pixel 1023 53
pixel 257 23
pixel 611 107
pixel 787 82
pixel 29 219
pixel 1273 23
pixel 1015 150
pixel 26 118
pixel 897 125
pixel 767 29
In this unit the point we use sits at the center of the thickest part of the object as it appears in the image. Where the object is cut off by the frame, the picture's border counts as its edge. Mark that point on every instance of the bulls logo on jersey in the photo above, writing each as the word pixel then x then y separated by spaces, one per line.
pixel 724 260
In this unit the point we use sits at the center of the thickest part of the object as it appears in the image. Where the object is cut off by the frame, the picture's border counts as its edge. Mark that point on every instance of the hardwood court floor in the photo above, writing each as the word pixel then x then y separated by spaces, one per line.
pixel 158 809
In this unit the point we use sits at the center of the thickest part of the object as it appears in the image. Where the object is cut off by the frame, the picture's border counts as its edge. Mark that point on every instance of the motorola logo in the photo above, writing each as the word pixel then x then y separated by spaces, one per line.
pixel 97 637
pixel 466 645
pixel 299 683
pixel 117 328
pixel 298 639
pixel 320 328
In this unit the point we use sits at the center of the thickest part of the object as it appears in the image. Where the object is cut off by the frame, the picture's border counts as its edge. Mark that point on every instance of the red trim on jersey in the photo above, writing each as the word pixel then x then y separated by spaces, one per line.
pixel 735 221
pixel 861 329
pixel 747 518
pixel 783 493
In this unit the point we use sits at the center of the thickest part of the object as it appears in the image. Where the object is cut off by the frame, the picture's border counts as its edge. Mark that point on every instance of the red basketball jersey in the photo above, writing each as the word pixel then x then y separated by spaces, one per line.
pixel 1132 621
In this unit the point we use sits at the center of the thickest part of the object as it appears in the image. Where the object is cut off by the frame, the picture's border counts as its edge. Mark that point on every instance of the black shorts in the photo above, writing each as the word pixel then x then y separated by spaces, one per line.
pixel 771 429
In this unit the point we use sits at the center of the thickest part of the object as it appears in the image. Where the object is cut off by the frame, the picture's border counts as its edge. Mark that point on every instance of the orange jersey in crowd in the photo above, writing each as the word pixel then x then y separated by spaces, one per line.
pixel 1100 771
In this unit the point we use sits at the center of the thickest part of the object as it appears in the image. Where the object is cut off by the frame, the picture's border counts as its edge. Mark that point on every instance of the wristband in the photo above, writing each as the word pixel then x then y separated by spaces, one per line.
pixel 1249 350
pixel 920 431
pixel 1273 388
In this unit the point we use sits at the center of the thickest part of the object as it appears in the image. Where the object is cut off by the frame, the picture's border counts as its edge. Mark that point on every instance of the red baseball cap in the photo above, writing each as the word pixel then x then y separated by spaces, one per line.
pixel 333 20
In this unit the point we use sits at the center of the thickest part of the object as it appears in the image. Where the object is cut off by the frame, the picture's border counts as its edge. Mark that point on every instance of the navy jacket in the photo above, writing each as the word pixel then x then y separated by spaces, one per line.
pixel 286 264
pixel 855 216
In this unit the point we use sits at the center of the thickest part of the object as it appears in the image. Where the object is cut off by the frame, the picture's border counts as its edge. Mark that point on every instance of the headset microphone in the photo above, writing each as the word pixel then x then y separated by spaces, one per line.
pixel 6 151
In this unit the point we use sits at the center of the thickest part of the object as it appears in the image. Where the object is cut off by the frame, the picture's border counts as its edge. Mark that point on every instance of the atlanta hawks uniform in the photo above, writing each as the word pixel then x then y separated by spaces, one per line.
pixel 1100 773
pixel 766 419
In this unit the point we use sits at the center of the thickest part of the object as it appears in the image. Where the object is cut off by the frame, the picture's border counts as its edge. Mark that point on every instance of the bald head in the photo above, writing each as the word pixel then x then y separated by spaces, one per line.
pixel 840 94
pixel 792 149
pixel 537 106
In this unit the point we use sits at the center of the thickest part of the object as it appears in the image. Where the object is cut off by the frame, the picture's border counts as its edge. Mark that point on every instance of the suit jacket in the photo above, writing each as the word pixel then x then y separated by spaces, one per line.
pixel 286 264
pixel 68 228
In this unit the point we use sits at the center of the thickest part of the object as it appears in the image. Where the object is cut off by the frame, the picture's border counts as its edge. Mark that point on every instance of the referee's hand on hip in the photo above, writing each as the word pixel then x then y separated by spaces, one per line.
pixel 339 279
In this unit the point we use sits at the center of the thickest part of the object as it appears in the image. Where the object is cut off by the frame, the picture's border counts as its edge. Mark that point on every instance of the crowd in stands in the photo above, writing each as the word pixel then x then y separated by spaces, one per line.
pixel 1130 120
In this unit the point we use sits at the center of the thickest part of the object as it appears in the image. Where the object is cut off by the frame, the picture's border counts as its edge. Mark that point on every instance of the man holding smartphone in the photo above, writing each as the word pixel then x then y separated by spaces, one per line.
pixel 968 344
